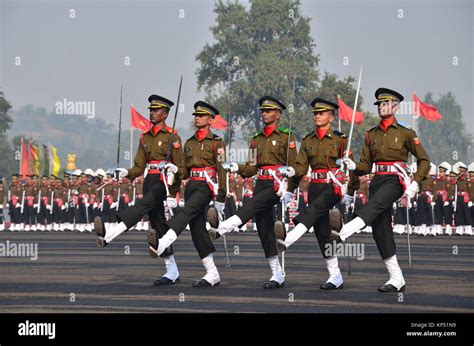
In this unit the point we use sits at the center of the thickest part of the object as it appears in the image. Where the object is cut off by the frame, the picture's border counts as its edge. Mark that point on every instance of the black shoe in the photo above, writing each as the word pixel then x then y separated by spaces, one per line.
pixel 212 217
pixel 99 228
pixel 164 281
pixel 280 232
pixel 334 237
pixel 330 286
pixel 273 284
pixel 204 283
pixel 152 239
pixel 390 288
pixel 213 233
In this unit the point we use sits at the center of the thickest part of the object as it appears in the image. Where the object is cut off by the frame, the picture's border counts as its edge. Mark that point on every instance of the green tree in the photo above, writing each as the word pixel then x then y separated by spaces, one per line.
pixel 446 139
pixel 258 52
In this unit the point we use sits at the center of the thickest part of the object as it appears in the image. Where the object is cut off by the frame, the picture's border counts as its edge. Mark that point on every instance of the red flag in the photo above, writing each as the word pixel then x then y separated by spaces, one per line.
pixel 138 121
pixel 219 123
pixel 425 110
pixel 25 161
pixel 345 113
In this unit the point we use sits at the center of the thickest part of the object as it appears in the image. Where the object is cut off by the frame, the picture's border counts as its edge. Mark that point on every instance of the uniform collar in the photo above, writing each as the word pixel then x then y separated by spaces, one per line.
pixel 271 129
pixel 209 135
pixel 393 123
pixel 329 133
pixel 163 128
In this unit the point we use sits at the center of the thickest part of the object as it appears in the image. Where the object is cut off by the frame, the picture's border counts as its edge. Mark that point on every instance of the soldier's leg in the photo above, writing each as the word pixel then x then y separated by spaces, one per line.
pixel 322 198
pixel 383 192
pixel 264 198
pixel 328 249
pixel 205 248
pixel 265 222
pixel 383 236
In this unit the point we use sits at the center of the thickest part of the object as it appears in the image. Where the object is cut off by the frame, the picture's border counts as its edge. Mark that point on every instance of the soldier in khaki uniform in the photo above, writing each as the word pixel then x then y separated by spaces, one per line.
pixel 470 187
pixel 14 203
pixel 462 215
pixel 204 152
pixel 271 147
pixel 151 153
pixel 387 145
pixel 442 208
pixel 320 150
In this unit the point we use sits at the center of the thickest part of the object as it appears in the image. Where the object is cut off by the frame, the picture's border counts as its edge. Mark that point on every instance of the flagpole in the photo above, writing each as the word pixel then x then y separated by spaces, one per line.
pixel 21 155
pixel 339 115
pixel 131 145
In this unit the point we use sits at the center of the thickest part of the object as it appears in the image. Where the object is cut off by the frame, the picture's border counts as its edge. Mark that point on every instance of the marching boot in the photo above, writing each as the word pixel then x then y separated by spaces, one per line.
pixel 158 246
pixel 347 230
pixel 449 230
pixel 460 230
pixel 468 230
pixel 225 227
pixel 277 280
pixel 171 276
pixel 285 240
pixel 212 277
pixel 335 278
pixel 396 283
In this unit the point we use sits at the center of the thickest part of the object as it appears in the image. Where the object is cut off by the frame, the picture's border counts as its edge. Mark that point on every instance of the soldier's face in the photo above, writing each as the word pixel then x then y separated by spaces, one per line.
pixel 270 116
pixel 324 118
pixel 201 121
pixel 462 171
pixel 158 115
pixel 387 108
pixel 14 180
pixel 442 172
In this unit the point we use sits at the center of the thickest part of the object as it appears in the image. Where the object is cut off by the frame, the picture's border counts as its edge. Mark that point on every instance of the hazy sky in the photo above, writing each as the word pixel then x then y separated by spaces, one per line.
pixel 82 58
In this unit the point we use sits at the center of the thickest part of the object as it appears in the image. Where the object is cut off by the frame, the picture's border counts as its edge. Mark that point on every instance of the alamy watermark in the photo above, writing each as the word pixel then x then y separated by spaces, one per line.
pixel 11 249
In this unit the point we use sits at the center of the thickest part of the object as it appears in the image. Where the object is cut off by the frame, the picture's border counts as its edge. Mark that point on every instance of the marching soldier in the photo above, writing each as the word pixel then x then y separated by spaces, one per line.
pixel 31 190
pixel 204 152
pixel 271 146
pixel 43 211
pixel 442 215
pixel 151 156
pixel 471 191
pixel 320 150
pixel 463 218
pixel 14 203
pixel 387 145
pixel 58 216
pixel 451 187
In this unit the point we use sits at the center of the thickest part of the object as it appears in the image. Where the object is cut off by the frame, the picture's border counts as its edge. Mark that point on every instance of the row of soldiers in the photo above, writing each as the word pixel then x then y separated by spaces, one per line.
pixel 52 203
pixel 444 205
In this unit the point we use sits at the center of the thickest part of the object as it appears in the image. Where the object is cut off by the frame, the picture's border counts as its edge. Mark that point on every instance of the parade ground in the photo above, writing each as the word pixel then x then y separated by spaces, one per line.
pixel 71 275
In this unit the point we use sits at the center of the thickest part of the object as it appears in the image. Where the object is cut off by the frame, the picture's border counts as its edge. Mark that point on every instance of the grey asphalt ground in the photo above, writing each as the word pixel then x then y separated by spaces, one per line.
pixel 72 275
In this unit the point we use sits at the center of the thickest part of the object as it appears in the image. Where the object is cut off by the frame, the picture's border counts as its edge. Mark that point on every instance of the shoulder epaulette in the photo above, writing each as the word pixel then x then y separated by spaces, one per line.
pixel 216 137
pixel 340 134
pixel 255 134
pixel 285 130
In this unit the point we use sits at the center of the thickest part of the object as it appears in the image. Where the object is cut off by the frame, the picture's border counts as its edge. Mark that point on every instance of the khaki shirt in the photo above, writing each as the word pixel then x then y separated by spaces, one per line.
pixel 154 148
pixel 269 151
pixel 209 152
pixel 393 145
pixel 322 154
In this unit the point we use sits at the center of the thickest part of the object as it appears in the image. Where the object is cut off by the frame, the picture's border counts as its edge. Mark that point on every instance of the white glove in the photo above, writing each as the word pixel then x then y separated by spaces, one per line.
pixel 113 205
pixel 1 206
pixel 171 168
pixel 35 206
pixel 49 207
pixel 122 172
pixel 18 205
pixel 347 200
pixel 220 206
pixel 130 204
pixel 469 204
pixel 287 197
pixel 8 205
pixel 63 207
pixel 181 204
pixel 239 204
pixel 446 203
pixel 290 172
pixel 95 205
pixel 414 204
pixel 171 202
pixel 234 167
pixel 412 189
pixel 433 204
pixel 394 205
pixel 350 165
pixel 170 178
